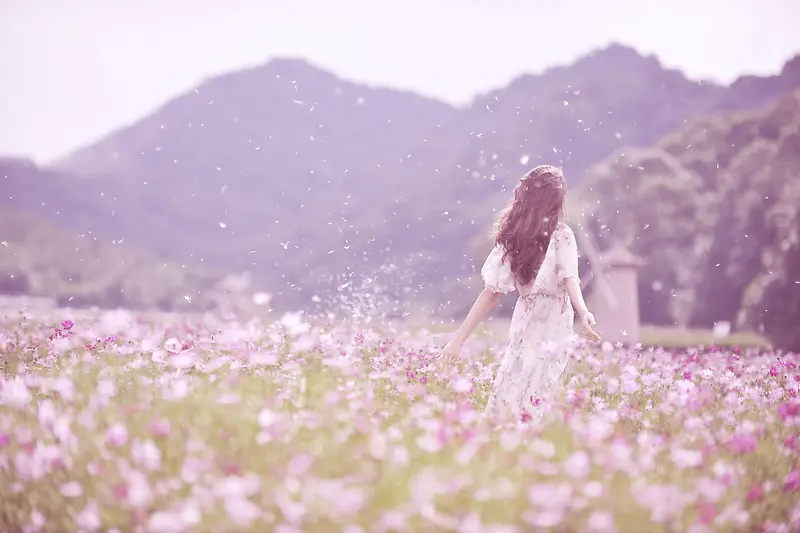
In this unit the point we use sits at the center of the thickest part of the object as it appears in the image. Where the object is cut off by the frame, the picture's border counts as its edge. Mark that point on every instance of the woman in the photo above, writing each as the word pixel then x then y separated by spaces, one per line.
pixel 536 254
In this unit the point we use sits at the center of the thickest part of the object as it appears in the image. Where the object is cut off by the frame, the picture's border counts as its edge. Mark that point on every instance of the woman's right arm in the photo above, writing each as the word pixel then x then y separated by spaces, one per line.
pixel 484 303
pixel 497 280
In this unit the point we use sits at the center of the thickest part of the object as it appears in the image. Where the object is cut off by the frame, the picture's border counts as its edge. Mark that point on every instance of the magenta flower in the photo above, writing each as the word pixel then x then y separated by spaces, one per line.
pixel 791 483
pixel 755 494
pixel 742 444
pixel 789 410
pixel 707 512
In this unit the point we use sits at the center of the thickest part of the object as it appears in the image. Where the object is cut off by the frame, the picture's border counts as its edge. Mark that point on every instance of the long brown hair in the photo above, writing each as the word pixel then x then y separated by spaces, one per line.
pixel 526 225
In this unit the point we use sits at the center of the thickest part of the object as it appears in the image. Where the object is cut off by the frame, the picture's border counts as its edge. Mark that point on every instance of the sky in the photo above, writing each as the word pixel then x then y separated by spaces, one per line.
pixel 75 70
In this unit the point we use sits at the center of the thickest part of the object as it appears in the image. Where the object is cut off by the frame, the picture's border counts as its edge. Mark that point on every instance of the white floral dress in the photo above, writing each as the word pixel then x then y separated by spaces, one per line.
pixel 541 327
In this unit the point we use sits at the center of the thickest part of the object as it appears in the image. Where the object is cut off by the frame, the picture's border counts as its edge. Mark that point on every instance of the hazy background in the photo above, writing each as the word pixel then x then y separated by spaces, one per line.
pixel 184 155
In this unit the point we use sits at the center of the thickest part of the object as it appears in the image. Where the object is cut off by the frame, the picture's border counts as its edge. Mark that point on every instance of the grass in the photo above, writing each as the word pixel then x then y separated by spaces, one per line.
pixel 687 338
pixel 651 336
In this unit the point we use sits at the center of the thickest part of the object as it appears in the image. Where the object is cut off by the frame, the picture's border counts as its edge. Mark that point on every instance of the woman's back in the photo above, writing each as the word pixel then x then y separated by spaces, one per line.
pixel 560 262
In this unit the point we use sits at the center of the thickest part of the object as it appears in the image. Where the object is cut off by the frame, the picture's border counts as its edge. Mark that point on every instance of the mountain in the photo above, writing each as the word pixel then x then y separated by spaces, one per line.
pixel 713 208
pixel 313 183
pixel 261 169
pixel 572 116
pixel 39 258
pixel 286 113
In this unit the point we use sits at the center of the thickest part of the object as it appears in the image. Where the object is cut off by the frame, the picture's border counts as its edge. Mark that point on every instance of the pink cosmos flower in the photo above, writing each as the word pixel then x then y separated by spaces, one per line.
pixel 65 388
pixel 550 495
pixel 546 518
pixel 160 427
pixel 139 492
pixel 165 522
pixel 14 393
pixel 183 360
pixel 707 512
pixel 267 418
pixel 462 385
pixel 578 465
pixel 173 345
pixel 601 522
pixel 755 494
pixel 740 444
pixel 71 489
pixel 429 443
pixel 89 518
pixel 241 511
pixel 117 435
pixel 299 464
pixel 791 483
pixel 788 410
pixel 106 388
pixel 146 454
pixel 629 386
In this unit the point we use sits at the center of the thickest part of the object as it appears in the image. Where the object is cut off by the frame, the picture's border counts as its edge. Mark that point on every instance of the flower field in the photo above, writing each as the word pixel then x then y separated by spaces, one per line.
pixel 126 423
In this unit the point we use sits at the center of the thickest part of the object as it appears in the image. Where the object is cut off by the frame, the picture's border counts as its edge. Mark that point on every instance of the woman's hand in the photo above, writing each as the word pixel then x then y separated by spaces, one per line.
pixel 450 353
pixel 587 321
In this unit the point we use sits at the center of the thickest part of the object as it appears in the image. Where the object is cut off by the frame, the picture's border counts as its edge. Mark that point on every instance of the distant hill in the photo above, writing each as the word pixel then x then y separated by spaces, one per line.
pixel 714 208
pixel 263 169
pixel 39 258
pixel 310 181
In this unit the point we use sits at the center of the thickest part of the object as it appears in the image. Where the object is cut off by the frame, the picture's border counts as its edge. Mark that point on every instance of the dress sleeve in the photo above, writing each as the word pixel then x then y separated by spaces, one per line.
pixel 566 249
pixel 496 274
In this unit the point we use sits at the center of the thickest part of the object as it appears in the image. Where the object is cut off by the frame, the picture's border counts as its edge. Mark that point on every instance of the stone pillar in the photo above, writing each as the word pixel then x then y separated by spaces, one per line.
pixel 618 320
